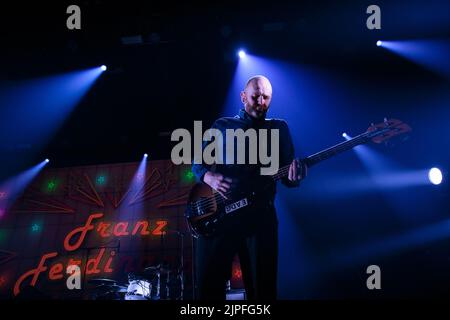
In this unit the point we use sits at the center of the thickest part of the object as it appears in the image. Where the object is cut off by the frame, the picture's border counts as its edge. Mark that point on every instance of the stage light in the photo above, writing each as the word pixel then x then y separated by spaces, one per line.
pixel 346 136
pixel 103 67
pixel 241 54
pixel 432 54
pixel 47 160
pixel 379 43
pixel 145 155
pixel 435 176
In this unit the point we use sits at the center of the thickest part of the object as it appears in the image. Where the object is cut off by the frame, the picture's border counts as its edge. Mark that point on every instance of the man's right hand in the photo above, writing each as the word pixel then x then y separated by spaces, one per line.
pixel 218 182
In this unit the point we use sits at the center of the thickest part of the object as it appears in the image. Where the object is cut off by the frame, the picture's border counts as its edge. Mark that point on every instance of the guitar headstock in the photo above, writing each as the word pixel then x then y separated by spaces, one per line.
pixel 387 129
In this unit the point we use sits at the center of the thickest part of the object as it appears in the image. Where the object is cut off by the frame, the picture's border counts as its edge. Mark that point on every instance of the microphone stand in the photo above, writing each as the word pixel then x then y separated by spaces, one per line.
pixel 181 267
pixel 181 234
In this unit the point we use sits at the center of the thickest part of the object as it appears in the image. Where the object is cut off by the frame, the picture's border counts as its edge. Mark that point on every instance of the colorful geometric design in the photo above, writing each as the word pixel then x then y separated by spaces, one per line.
pixel 51 185
pixel 101 180
pixel 37 202
pixel 153 182
pixel 176 201
pixel 83 190
pixel 6 256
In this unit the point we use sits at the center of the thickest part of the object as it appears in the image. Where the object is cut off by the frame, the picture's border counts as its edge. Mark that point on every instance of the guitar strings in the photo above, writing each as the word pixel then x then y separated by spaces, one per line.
pixel 218 198
pixel 282 172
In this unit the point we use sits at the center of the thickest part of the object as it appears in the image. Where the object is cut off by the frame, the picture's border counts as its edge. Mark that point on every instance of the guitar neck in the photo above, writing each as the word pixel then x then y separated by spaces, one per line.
pixel 337 149
pixel 327 153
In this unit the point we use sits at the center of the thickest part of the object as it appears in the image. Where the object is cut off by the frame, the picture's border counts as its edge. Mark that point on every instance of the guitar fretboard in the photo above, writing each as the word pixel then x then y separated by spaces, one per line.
pixel 327 153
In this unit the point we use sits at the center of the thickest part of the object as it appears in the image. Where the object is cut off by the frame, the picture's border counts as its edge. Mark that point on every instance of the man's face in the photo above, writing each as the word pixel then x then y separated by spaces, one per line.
pixel 256 98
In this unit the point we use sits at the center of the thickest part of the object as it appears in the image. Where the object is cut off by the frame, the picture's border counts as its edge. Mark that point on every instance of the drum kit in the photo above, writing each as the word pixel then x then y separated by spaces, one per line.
pixel 156 282
pixel 153 283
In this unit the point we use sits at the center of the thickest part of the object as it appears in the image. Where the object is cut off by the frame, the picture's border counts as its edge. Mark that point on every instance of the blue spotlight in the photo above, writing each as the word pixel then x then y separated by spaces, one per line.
pixel 344 135
pixel 13 187
pixel 435 176
pixel 103 67
pixel 136 193
pixel 379 43
pixel 431 53
pixel 241 54
pixel 46 102
pixel 47 160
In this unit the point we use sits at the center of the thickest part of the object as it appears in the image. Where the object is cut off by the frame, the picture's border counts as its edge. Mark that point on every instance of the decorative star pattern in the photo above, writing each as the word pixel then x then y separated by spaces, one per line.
pixel 81 188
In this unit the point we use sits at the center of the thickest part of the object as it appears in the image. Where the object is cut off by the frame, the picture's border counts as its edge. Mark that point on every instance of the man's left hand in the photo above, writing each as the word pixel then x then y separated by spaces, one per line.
pixel 297 171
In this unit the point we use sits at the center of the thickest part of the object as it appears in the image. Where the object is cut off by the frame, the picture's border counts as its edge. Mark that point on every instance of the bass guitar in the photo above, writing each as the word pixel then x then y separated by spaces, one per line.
pixel 206 207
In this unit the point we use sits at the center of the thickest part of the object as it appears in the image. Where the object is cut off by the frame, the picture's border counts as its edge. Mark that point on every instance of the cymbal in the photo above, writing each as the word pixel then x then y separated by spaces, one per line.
pixel 115 288
pixel 112 288
pixel 102 281
pixel 158 268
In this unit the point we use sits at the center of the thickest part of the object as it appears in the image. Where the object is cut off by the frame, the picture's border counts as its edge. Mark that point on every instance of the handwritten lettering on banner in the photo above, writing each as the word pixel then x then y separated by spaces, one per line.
pixel 75 238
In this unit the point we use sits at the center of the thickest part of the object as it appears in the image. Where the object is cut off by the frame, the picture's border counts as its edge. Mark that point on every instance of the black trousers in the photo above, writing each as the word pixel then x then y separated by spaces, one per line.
pixel 253 235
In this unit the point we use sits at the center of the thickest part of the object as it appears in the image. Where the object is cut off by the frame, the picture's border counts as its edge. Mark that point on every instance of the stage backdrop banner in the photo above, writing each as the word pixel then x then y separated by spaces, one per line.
pixel 117 222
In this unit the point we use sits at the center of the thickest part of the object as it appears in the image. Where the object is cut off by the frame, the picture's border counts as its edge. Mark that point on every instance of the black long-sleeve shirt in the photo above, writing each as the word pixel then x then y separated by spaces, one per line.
pixel 247 176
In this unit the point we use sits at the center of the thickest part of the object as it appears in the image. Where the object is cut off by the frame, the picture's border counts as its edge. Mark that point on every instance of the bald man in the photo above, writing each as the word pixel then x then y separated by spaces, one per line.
pixel 252 234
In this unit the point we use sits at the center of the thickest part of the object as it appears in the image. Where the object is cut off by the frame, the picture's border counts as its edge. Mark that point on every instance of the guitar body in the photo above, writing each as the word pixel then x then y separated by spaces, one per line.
pixel 206 208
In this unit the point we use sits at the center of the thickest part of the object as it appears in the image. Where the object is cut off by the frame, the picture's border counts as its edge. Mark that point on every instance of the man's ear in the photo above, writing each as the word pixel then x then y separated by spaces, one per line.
pixel 243 97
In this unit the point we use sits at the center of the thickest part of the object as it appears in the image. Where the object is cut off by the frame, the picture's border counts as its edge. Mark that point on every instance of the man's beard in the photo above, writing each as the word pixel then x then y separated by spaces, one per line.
pixel 259 114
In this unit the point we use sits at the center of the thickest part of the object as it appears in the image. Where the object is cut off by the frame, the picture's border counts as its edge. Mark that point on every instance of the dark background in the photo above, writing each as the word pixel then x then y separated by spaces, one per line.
pixel 184 69
pixel 182 72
